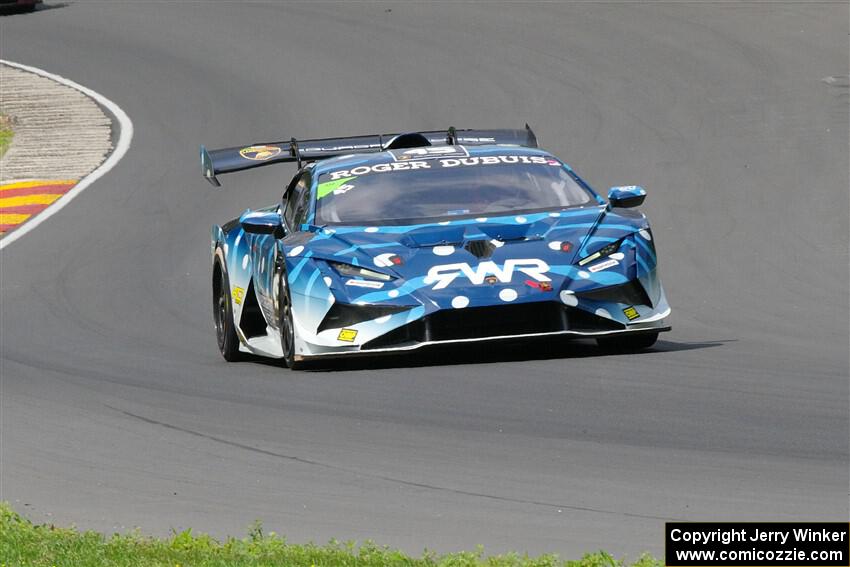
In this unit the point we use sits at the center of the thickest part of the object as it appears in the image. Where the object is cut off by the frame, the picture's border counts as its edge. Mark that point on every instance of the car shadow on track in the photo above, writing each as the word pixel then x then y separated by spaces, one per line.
pixel 14 9
pixel 486 353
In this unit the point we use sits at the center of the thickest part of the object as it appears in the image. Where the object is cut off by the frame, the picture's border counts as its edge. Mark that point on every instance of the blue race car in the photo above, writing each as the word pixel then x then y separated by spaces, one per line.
pixel 393 242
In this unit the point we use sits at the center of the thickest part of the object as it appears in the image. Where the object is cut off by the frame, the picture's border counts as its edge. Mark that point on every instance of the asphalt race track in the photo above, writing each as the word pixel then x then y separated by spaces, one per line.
pixel 118 411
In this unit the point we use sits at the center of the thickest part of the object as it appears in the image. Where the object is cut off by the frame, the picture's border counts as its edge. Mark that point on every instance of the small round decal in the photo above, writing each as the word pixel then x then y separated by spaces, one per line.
pixel 507 294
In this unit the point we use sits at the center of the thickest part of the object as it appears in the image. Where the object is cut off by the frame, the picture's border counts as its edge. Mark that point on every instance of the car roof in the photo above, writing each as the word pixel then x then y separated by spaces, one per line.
pixel 350 160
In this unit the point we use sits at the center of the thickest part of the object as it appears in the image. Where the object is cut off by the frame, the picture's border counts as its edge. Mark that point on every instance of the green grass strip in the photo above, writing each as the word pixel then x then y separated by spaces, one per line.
pixel 23 544
pixel 6 133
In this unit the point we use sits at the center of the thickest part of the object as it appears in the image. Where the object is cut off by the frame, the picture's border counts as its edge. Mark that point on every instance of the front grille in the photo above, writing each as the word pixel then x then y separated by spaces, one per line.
pixel 497 321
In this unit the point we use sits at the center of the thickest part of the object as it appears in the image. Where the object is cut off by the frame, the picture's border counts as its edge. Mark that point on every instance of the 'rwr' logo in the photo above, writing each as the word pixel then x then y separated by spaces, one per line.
pixel 445 274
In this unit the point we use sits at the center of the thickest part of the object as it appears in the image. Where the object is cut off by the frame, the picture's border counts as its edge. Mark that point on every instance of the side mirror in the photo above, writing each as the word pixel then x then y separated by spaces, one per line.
pixel 626 197
pixel 262 222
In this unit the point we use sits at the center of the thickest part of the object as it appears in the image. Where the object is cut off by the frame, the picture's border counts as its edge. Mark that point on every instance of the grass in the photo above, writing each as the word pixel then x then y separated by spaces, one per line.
pixel 6 133
pixel 23 544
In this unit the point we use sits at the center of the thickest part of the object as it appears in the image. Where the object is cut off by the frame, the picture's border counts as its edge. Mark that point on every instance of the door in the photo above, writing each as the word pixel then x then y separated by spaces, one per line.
pixel 268 264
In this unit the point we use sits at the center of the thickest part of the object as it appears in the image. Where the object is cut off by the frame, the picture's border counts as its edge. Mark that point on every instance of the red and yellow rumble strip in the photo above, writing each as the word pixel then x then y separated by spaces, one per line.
pixel 24 199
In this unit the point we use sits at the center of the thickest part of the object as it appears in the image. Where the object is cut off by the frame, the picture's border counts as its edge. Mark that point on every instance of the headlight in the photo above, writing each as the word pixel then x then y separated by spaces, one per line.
pixel 606 250
pixel 351 271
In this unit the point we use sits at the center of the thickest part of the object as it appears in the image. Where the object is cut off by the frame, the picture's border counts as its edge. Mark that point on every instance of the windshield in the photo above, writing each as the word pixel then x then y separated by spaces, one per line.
pixel 408 192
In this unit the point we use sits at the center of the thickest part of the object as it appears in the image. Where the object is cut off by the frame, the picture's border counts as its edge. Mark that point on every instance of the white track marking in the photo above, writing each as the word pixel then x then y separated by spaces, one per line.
pixel 124 137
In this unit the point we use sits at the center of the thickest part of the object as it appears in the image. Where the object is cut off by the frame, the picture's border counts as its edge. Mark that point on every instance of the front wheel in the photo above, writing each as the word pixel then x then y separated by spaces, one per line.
pixel 627 343
pixel 225 332
pixel 286 325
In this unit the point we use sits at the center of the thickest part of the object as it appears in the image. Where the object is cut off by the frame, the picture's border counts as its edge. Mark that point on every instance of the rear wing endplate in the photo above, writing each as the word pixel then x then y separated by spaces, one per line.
pixel 228 160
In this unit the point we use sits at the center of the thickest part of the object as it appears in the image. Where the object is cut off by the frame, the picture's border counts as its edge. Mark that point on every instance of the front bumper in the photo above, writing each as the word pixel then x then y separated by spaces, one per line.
pixel 415 346
pixel 497 323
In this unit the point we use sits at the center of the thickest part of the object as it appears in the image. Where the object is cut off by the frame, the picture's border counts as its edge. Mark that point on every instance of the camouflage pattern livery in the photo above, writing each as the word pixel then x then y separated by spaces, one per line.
pixel 586 271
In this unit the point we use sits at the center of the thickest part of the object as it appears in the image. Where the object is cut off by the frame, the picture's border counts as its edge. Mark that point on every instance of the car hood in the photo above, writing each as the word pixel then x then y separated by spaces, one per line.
pixel 482 260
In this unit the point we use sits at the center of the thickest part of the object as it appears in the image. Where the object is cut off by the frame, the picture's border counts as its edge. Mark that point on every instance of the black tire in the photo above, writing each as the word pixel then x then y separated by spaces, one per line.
pixel 285 324
pixel 228 342
pixel 627 343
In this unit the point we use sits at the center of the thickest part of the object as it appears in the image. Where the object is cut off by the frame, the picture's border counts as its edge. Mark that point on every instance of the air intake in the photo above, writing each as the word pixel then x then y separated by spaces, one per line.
pixel 631 293
pixel 344 314
pixel 494 321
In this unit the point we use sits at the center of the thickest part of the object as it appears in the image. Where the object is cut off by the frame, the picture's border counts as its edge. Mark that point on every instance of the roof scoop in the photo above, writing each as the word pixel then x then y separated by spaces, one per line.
pixel 409 140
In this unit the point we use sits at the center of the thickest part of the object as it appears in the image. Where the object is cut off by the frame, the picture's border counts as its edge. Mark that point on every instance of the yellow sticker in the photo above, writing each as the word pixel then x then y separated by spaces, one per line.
pixel 238 294
pixel 347 335
pixel 259 153
pixel 631 313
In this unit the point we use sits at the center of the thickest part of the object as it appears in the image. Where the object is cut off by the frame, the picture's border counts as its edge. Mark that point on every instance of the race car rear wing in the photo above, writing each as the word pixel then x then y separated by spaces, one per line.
pixel 228 160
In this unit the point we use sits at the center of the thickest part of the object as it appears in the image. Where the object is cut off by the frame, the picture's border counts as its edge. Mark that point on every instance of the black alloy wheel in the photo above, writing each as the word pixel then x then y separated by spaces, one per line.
pixel 228 341
pixel 285 323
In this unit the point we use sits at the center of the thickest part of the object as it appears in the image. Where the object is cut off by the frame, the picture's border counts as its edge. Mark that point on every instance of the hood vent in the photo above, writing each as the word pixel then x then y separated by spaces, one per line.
pixel 480 248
